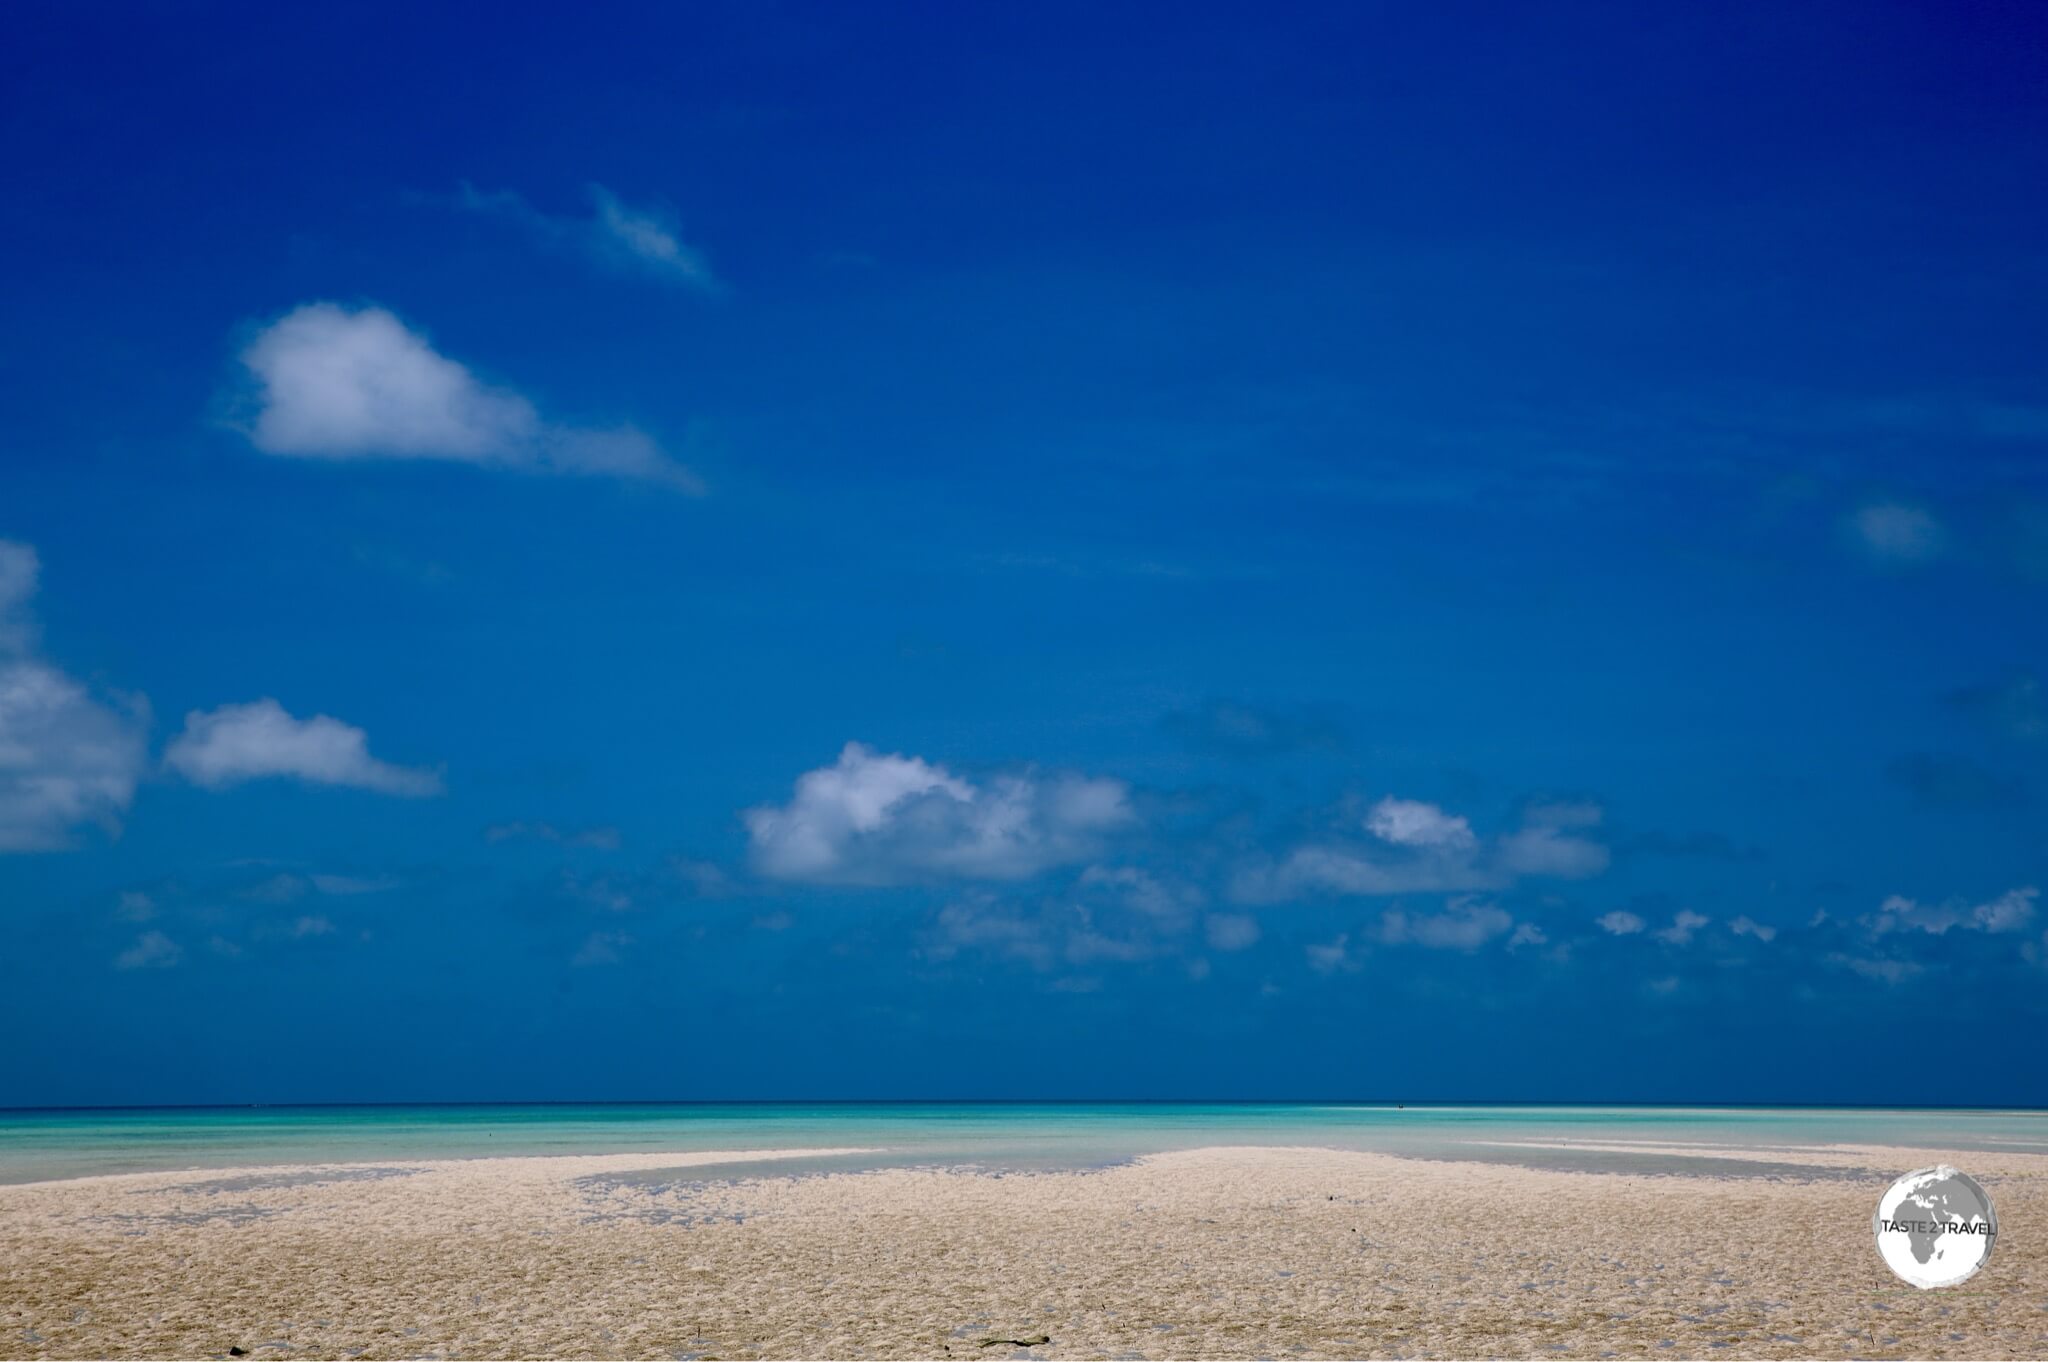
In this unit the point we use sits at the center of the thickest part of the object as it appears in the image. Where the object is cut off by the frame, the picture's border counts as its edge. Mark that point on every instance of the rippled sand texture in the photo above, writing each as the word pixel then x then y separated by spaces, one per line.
pixel 1211 1253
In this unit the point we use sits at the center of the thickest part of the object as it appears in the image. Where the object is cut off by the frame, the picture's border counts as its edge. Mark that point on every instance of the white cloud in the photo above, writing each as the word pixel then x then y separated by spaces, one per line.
pixel 874 818
pixel 1747 926
pixel 1232 931
pixel 236 743
pixel 1330 956
pixel 2009 912
pixel 66 758
pixel 616 236
pixel 335 383
pixel 1620 923
pixel 1553 854
pixel 1896 532
pixel 1413 823
pixel 1549 846
pixel 1528 934
pixel 1355 872
pixel 1462 926
pixel 1886 971
pixel 152 950
pixel 1420 848
pixel 1682 928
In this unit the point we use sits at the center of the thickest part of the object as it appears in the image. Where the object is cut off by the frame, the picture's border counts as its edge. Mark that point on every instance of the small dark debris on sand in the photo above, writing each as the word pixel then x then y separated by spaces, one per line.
pixel 1030 1342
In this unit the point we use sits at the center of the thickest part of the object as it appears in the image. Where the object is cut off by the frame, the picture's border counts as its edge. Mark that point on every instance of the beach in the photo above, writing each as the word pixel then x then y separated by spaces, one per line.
pixel 1224 1251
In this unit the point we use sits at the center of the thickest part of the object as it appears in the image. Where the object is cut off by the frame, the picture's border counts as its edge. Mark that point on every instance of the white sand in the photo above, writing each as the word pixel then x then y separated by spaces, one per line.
pixel 1233 1252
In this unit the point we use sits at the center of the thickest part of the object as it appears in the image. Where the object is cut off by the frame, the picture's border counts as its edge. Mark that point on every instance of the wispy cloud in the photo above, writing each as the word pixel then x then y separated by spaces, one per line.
pixel 331 382
pixel 237 743
pixel 597 838
pixel 67 758
pixel 614 235
pixel 1898 532
pixel 152 950
pixel 875 818
pixel 1464 925
pixel 601 948
pixel 1231 931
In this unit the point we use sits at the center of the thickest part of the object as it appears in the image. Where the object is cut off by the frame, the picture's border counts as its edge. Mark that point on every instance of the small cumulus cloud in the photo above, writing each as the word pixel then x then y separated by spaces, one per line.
pixel 1328 957
pixel 1748 926
pixel 1528 934
pixel 1684 925
pixel 1463 926
pixel 1884 971
pixel 1413 823
pixel 1552 842
pixel 615 235
pixel 152 950
pixel 68 758
pixel 335 383
pixel 1419 847
pixel 1620 923
pixel 875 818
pixel 2011 911
pixel 225 747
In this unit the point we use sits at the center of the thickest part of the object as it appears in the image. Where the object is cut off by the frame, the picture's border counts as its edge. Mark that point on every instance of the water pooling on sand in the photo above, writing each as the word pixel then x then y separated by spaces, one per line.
pixel 1741 1141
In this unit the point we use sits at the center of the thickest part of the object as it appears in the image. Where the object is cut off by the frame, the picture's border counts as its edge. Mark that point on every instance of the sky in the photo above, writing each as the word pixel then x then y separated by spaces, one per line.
pixel 1450 552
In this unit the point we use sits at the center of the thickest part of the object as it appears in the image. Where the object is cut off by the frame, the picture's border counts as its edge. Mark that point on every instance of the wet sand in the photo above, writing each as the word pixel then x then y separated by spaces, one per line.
pixel 1227 1252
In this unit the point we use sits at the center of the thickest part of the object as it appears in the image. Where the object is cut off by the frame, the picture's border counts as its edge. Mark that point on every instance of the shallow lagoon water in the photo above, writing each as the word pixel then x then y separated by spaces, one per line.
pixel 999 1137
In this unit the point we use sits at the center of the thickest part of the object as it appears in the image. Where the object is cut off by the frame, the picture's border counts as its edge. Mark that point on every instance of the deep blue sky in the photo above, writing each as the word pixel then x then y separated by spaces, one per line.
pixel 1381 551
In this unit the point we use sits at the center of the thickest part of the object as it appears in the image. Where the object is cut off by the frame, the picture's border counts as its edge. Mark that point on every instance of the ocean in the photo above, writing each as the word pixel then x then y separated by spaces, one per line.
pixel 999 1137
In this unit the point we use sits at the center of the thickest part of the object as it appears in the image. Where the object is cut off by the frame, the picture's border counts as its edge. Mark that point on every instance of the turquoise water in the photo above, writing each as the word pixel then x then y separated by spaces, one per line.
pixel 36 1145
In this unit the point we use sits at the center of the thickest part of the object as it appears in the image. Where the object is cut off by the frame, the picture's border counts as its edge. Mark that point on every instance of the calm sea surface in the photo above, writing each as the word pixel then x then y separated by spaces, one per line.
pixel 36 1145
